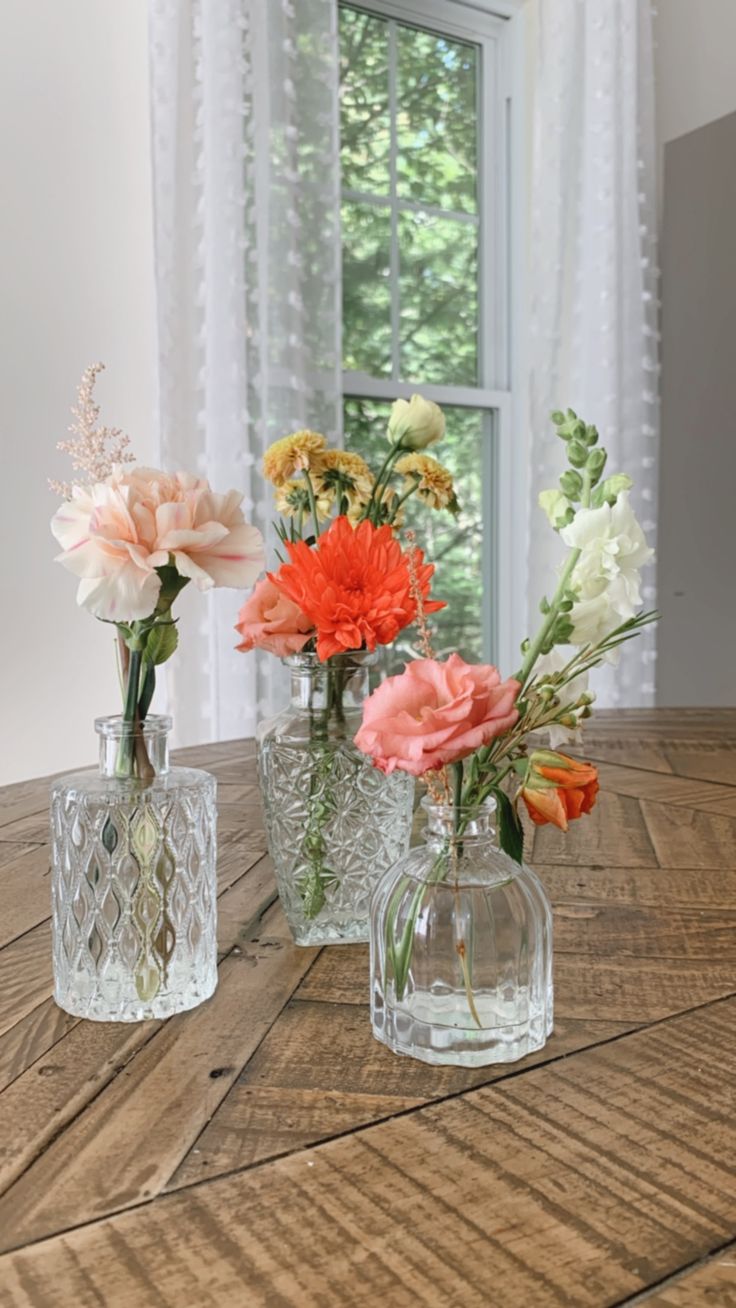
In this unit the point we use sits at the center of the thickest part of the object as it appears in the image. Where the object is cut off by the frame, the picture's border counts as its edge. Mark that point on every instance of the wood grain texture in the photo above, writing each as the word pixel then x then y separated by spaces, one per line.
pixel 287 1095
pixel 264 1150
pixel 542 1185
pixel 710 1285
pixel 123 1149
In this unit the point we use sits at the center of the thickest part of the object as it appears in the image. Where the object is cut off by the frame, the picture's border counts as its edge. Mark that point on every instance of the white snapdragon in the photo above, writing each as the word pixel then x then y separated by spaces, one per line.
pixel 607 575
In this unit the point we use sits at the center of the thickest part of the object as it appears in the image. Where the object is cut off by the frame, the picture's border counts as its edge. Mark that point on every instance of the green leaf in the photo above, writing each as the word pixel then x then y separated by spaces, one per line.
pixel 161 643
pixel 510 831
pixel 171 584
pixel 147 688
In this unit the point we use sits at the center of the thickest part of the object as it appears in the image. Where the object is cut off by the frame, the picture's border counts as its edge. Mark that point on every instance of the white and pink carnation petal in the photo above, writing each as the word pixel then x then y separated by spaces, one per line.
pixel 236 560
pixel 126 595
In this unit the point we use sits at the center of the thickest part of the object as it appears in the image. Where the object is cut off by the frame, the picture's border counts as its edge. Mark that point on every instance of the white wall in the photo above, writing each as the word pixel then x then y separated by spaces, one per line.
pixel 695 85
pixel 695 64
pixel 76 285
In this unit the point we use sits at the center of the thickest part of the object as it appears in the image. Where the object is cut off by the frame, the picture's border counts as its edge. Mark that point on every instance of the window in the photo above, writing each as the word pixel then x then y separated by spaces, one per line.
pixel 424 160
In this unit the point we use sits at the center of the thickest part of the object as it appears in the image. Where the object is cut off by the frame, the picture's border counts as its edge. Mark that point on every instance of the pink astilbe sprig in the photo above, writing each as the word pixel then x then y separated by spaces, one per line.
pixel 93 450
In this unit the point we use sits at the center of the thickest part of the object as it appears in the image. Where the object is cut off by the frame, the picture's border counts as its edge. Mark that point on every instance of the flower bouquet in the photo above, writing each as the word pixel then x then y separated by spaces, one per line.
pixel 344 586
pixel 461 930
pixel 133 845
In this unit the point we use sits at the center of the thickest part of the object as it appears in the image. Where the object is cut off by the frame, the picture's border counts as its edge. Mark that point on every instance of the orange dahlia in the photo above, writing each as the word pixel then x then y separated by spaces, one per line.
pixel 354 585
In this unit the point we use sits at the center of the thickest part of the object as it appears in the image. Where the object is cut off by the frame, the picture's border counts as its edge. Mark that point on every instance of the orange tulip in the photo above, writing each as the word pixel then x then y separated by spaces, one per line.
pixel 558 788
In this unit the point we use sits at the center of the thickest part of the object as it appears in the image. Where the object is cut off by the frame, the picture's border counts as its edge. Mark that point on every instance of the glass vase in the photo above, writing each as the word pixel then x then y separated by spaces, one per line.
pixel 461 948
pixel 133 880
pixel 335 824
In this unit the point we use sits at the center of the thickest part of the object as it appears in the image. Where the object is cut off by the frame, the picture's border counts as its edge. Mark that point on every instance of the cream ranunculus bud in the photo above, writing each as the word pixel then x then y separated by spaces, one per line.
pixel 416 423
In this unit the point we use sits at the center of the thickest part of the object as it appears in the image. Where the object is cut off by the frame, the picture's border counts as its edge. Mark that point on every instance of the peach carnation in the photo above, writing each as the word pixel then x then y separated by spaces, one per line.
pixel 271 621
pixel 435 713
pixel 116 533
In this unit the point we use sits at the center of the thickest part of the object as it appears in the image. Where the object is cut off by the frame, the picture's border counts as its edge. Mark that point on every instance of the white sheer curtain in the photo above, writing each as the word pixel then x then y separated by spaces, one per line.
pixel 593 339
pixel 246 198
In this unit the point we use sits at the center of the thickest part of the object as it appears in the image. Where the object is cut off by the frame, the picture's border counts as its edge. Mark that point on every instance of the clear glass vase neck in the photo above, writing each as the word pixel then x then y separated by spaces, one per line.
pixel 338 684
pixel 134 753
pixel 449 826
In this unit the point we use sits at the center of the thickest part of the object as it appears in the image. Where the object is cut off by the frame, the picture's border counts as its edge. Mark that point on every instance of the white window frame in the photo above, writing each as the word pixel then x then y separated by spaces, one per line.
pixel 497 29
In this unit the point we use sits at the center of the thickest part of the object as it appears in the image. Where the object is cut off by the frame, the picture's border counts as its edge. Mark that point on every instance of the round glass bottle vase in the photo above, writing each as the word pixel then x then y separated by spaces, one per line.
pixel 335 823
pixel 461 948
pixel 133 880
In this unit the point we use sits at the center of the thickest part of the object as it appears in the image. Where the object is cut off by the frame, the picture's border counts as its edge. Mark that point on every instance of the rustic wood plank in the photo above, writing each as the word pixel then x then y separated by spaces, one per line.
pixel 688 838
pixel 665 724
pixel 25 892
pixel 711 1283
pixel 29 1039
pixel 614 833
pixel 622 931
pixel 575 1185
pixel 58 1083
pixel 707 760
pixel 684 792
pixel 696 888
pixel 160 1102
pixel 617 988
pixel 25 975
pixel 641 754
pixel 286 1098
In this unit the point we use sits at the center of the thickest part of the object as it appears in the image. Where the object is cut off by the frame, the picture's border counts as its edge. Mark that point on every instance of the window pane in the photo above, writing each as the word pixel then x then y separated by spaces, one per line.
pixel 454 545
pixel 366 292
pixel 439 299
pixel 365 130
pixel 436 120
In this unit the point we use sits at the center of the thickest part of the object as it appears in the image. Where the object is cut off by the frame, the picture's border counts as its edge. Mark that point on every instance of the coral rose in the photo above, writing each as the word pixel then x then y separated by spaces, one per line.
pixel 558 788
pixel 270 621
pixel 116 533
pixel 354 586
pixel 436 713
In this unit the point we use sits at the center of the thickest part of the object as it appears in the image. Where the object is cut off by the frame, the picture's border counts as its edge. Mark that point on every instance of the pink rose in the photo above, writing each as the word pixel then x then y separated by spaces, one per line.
pixel 116 533
pixel 268 620
pixel 436 713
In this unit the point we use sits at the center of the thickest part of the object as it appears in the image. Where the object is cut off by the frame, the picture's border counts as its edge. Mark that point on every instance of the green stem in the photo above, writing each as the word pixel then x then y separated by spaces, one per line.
pixel 401 500
pixel 537 643
pixel 312 502
pixel 381 479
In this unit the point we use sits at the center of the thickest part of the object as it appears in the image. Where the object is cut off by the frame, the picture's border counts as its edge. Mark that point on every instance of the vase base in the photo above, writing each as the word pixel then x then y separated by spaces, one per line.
pixel 314 935
pixel 458 1046
pixel 98 1008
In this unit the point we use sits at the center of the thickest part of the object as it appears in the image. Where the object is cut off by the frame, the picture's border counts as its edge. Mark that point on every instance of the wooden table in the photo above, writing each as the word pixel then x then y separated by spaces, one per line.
pixel 265 1150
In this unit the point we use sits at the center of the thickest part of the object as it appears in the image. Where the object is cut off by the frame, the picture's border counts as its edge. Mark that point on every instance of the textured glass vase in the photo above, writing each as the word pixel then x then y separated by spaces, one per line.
pixel 335 823
pixel 133 880
pixel 461 949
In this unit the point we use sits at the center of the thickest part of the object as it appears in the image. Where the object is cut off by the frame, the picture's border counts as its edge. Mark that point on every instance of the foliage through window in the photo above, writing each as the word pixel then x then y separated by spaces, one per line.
pixel 411 223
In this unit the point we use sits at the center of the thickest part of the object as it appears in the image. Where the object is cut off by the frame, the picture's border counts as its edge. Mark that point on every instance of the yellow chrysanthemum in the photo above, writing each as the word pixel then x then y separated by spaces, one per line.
pixel 295 453
pixel 433 481
pixel 292 499
pixel 345 474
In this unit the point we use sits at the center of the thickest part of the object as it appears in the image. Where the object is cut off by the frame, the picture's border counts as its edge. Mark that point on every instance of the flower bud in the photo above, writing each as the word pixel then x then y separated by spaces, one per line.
pixel 557 417
pixel 577 453
pixel 590 435
pixel 572 484
pixel 596 463
pixel 416 423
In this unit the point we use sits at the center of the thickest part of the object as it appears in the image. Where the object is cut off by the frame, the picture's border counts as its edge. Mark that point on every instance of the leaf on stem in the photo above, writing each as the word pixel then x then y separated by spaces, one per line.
pixel 510 830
